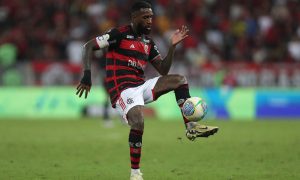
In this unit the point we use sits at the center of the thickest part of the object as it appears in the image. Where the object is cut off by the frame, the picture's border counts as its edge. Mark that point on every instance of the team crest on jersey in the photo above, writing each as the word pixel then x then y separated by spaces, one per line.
pixel 129 37
pixel 130 101
pixel 146 48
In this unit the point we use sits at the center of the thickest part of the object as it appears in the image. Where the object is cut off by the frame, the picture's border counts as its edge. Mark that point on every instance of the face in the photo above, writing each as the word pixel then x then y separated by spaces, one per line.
pixel 142 20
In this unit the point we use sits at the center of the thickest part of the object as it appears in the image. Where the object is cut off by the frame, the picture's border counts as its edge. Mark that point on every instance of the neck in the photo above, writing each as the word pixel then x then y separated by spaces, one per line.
pixel 134 28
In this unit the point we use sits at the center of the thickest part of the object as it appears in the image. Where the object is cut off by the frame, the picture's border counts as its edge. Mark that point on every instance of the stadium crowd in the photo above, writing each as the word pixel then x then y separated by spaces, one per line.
pixel 228 31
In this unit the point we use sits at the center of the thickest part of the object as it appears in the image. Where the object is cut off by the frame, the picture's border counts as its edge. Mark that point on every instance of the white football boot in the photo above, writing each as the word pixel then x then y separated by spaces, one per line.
pixel 136 175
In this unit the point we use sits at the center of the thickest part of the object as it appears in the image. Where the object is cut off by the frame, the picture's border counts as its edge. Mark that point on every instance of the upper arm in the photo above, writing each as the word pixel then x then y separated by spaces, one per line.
pixel 155 57
pixel 109 38
pixel 91 44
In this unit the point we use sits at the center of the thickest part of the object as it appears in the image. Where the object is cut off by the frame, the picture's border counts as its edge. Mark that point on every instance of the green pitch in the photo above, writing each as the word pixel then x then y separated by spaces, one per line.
pixel 79 150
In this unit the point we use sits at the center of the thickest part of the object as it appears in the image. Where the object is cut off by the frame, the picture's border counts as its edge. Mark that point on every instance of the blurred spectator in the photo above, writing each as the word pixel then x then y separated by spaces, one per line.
pixel 294 49
pixel 235 30
pixel 231 31
pixel 8 54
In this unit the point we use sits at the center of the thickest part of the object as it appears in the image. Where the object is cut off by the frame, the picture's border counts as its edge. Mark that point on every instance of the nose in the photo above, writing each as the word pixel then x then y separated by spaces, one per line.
pixel 149 22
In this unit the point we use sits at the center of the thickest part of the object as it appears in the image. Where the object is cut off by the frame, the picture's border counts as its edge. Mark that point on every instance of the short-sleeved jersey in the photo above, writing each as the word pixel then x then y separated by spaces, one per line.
pixel 126 59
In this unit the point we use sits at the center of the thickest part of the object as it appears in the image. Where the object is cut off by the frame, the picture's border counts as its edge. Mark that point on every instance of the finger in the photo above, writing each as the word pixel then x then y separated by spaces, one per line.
pixel 185 29
pixel 186 32
pixel 88 88
pixel 78 86
pixel 181 29
pixel 78 90
pixel 86 93
pixel 81 92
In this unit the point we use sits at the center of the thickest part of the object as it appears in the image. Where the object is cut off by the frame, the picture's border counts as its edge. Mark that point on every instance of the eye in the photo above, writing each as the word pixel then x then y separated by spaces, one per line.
pixel 148 17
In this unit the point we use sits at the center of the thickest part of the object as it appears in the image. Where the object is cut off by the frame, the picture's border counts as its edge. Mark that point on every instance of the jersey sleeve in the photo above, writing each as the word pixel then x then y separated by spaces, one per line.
pixel 108 39
pixel 154 53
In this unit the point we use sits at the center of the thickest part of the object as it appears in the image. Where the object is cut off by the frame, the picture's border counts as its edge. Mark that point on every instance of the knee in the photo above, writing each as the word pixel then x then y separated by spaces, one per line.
pixel 136 119
pixel 180 80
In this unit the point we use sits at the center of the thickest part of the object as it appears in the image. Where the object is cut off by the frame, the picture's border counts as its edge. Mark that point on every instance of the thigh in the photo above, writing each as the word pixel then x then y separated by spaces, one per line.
pixel 168 83
pixel 128 99
pixel 148 87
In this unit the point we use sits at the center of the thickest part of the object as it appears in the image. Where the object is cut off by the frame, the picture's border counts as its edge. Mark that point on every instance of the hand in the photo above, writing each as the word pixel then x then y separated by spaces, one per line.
pixel 179 35
pixel 81 88
pixel 85 84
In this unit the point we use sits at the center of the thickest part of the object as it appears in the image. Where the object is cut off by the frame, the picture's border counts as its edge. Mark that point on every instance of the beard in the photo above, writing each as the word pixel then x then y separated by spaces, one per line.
pixel 143 30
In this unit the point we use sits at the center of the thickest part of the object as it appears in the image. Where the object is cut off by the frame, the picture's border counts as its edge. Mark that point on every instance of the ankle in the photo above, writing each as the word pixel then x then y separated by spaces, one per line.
pixel 135 171
pixel 190 125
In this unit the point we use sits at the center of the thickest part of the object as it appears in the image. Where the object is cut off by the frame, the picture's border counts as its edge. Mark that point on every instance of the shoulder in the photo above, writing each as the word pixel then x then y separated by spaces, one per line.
pixel 123 29
pixel 115 31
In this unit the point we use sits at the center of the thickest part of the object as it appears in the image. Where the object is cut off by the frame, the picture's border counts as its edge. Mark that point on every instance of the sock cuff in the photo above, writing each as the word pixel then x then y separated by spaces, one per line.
pixel 184 86
pixel 136 132
pixel 135 138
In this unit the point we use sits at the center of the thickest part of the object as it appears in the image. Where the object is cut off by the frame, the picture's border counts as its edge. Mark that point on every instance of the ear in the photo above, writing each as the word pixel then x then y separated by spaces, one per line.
pixel 134 15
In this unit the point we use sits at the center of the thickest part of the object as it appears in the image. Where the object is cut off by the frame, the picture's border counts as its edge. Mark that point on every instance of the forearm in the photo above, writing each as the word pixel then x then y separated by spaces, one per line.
pixel 87 56
pixel 167 61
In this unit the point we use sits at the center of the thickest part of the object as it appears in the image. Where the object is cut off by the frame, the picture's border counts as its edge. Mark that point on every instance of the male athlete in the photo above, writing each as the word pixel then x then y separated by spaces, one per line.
pixel 129 50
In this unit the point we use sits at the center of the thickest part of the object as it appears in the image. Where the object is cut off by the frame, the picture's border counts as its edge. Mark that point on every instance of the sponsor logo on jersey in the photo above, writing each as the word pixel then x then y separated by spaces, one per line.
pixel 130 37
pixel 146 48
pixel 135 64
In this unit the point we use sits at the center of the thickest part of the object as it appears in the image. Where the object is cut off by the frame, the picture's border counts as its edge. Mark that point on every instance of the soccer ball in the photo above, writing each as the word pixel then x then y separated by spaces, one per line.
pixel 194 109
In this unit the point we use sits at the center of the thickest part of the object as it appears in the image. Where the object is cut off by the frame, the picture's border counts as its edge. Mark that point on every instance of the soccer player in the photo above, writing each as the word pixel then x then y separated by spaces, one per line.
pixel 129 50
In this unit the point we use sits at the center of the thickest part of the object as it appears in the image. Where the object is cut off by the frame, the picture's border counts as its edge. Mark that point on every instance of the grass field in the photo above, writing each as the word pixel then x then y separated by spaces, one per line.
pixel 68 149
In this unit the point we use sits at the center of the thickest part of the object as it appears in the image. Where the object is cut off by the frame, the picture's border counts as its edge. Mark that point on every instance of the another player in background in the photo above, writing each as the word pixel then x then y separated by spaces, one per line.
pixel 129 50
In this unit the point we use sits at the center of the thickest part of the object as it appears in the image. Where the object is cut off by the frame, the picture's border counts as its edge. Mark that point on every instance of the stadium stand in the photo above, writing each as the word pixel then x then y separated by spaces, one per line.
pixel 236 43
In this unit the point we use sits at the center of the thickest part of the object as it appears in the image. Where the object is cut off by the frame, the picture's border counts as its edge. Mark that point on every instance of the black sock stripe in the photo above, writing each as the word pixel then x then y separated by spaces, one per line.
pixel 137 132
pixel 184 86
pixel 135 155
pixel 135 163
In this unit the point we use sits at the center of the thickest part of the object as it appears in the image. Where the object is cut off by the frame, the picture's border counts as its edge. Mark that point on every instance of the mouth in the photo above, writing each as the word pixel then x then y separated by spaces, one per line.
pixel 148 28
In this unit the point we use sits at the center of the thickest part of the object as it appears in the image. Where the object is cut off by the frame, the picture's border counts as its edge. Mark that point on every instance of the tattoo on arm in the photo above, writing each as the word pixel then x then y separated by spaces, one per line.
pixel 87 53
pixel 86 56
pixel 100 42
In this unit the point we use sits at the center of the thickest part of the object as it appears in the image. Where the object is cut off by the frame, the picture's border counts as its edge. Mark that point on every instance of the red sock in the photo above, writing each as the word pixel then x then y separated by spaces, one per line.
pixel 135 144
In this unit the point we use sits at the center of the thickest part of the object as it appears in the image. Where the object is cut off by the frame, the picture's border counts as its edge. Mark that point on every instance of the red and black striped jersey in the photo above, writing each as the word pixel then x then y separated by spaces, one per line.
pixel 126 59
